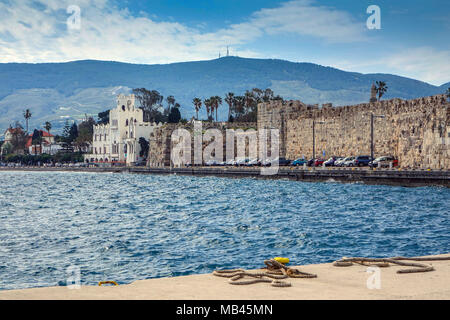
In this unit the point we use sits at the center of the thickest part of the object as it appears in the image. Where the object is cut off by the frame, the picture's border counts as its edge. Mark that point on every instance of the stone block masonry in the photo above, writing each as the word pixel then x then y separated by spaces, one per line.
pixel 160 144
pixel 415 131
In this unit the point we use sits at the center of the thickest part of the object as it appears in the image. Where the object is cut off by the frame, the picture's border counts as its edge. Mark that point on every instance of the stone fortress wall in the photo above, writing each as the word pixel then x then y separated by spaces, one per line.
pixel 160 143
pixel 416 131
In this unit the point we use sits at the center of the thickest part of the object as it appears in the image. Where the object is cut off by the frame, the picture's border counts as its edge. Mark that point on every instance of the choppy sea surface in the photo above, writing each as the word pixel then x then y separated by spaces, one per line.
pixel 128 227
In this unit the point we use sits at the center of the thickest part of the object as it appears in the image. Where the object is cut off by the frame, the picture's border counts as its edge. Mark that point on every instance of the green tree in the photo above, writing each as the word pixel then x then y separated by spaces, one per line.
pixel 197 105
pixel 48 126
pixel 216 102
pixel 27 115
pixel 36 139
pixel 229 99
pixel 170 103
pixel 73 132
pixel 103 117
pixel 208 105
pixel 175 115
pixel 448 93
pixel 85 133
pixel 381 89
pixel 145 147
pixel 18 139
pixel 151 103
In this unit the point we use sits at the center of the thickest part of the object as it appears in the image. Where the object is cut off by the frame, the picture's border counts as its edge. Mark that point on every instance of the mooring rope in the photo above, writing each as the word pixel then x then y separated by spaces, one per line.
pixel 385 262
pixel 275 272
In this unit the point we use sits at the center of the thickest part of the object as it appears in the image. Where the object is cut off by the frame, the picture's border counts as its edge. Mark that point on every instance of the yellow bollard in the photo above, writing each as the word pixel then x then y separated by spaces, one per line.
pixel 281 260
pixel 107 282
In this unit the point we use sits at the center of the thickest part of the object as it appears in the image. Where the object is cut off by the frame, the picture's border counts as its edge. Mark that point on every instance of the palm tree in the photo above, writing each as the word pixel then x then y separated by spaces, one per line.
pixel 212 106
pixel 380 88
pixel 198 105
pixel 48 126
pixel 207 103
pixel 229 99
pixel 27 115
pixel 217 102
pixel 448 93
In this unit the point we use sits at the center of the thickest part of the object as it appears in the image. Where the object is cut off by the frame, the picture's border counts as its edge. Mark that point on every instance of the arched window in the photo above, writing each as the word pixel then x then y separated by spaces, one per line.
pixel 123 107
pixel 126 123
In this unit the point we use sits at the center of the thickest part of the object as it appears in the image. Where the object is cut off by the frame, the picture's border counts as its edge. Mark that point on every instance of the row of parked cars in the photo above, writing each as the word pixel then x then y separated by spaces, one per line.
pixel 353 161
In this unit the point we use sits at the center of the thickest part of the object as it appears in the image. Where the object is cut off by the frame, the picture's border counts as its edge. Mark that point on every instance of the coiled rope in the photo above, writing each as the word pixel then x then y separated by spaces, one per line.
pixel 276 271
pixel 385 262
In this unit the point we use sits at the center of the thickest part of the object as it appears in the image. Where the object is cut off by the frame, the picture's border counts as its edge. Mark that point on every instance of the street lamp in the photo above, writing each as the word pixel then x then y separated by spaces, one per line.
pixel 314 136
pixel 372 116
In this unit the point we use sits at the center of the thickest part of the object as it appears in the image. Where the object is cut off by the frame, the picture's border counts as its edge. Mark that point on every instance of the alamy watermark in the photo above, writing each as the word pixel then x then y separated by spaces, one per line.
pixel 74 20
pixel 374 20
pixel 73 277
pixel 251 146
pixel 374 280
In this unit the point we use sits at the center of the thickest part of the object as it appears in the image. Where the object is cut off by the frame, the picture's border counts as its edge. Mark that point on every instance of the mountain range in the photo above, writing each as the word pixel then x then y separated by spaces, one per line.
pixel 57 92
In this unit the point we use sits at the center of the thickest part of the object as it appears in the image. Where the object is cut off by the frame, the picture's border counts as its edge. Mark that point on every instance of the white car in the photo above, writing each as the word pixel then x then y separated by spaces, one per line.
pixel 347 162
pixel 211 163
pixel 241 162
pixel 252 162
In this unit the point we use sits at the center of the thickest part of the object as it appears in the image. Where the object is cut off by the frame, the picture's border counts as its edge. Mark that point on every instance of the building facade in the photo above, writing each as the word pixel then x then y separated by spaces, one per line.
pixel 117 142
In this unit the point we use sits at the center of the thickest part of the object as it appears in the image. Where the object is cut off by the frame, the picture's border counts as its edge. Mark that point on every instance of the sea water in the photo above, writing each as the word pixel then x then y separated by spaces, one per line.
pixel 127 227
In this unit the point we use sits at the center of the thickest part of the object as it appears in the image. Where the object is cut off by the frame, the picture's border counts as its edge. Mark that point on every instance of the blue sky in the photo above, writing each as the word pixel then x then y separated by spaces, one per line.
pixel 413 40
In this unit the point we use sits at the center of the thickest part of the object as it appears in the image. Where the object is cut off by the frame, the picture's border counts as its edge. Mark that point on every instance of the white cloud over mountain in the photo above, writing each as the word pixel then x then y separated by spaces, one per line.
pixel 36 31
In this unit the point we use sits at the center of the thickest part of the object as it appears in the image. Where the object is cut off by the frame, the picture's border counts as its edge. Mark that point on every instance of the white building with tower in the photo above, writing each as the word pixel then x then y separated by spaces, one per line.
pixel 117 142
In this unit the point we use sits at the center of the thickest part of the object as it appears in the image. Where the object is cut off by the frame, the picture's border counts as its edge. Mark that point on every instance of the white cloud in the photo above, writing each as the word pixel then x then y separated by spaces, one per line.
pixel 424 63
pixel 107 33
pixel 36 31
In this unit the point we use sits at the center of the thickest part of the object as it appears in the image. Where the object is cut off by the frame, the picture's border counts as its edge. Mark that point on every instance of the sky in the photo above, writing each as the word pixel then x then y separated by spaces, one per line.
pixel 412 41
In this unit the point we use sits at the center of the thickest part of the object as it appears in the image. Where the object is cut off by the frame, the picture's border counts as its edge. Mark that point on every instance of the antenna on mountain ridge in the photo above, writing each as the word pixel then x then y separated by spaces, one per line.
pixel 228 52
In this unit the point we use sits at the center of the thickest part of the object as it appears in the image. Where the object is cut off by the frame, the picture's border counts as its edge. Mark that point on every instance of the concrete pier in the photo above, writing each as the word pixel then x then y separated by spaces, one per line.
pixel 331 283
pixel 409 178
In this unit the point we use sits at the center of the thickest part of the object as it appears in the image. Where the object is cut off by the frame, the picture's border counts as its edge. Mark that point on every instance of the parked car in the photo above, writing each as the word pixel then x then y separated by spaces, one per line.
pixel 211 163
pixel 347 162
pixel 318 162
pixel 361 161
pixel 331 161
pixel 241 162
pixel 311 162
pixel 299 162
pixel 253 162
pixel 141 163
pixel 338 162
pixel 283 162
pixel 384 162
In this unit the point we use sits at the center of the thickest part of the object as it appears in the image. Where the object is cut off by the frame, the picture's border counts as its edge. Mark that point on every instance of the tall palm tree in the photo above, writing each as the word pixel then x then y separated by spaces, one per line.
pixel 27 115
pixel 197 104
pixel 48 126
pixel 207 103
pixel 380 88
pixel 212 106
pixel 229 99
pixel 217 102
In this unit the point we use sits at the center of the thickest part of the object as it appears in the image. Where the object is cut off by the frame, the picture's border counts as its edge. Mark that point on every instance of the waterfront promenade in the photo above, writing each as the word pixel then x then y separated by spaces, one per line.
pixel 331 283
pixel 409 178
